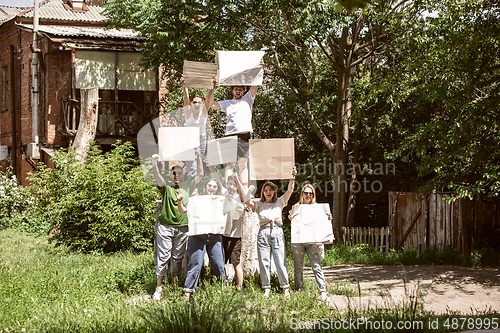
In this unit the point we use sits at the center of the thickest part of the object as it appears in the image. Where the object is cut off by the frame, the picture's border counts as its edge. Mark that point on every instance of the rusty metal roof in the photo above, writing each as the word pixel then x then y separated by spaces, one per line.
pixel 6 13
pixel 54 10
pixel 69 31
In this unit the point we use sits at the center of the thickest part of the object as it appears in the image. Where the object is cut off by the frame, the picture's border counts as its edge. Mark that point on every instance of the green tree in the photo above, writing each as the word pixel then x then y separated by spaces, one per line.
pixel 302 38
pixel 437 98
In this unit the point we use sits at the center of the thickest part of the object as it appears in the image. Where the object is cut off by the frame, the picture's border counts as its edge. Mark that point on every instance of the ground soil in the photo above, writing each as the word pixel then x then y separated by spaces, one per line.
pixel 441 289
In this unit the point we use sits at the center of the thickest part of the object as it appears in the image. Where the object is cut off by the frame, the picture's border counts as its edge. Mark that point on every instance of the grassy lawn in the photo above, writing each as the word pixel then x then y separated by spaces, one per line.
pixel 50 289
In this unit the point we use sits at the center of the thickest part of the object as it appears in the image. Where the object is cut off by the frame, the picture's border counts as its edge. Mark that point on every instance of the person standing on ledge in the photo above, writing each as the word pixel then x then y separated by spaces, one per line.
pixel 239 123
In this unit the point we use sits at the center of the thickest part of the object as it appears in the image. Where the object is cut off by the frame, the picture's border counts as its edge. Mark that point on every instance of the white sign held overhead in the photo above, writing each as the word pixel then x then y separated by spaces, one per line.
pixel 310 224
pixel 240 68
pixel 222 151
pixel 178 143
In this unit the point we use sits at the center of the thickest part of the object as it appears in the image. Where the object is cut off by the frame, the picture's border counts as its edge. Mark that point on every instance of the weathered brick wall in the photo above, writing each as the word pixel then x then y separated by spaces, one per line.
pixel 54 84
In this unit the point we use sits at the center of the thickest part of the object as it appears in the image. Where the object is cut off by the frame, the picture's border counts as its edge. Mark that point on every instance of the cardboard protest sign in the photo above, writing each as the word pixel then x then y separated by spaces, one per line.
pixel 178 143
pixel 205 214
pixel 222 151
pixel 310 224
pixel 271 159
pixel 240 68
pixel 199 74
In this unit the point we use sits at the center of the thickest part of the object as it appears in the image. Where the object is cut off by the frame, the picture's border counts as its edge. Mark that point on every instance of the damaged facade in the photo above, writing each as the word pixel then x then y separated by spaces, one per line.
pixel 72 51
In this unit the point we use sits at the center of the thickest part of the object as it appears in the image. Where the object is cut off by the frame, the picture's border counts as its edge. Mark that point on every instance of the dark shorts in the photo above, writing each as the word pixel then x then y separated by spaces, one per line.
pixel 232 249
pixel 243 145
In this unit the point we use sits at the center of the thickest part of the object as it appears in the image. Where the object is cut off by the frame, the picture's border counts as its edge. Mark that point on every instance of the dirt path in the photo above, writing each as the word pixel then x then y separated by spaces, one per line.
pixel 441 288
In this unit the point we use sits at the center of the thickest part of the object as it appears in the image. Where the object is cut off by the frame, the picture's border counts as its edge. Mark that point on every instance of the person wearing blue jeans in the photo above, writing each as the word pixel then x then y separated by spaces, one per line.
pixel 199 244
pixel 270 240
pixel 313 250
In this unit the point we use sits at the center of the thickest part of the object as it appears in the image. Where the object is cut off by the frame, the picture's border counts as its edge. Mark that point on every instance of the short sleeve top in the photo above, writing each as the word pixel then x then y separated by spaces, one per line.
pixel 239 114
pixel 270 212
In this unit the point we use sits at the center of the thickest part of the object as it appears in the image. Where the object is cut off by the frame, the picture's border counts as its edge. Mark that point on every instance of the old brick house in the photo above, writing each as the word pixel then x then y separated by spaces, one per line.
pixel 73 51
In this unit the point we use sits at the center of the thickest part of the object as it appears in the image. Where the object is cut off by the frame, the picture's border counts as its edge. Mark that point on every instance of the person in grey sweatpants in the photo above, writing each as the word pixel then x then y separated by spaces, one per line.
pixel 172 231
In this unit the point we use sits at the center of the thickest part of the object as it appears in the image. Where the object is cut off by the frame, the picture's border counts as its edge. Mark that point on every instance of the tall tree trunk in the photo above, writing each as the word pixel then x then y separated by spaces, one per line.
pixel 88 122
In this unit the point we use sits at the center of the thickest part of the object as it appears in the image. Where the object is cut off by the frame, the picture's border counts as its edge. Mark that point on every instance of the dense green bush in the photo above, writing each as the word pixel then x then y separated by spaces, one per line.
pixel 103 204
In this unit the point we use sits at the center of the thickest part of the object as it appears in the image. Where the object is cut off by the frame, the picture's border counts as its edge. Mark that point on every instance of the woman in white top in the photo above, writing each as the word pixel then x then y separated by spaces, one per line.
pixel 196 114
pixel 307 197
pixel 270 240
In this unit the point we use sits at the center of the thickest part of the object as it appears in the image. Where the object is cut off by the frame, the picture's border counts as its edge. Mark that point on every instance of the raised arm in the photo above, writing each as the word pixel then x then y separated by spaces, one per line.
pixel 291 185
pixel 209 101
pixel 241 192
pixel 187 109
pixel 253 89
pixel 210 98
pixel 199 171
pixel 159 179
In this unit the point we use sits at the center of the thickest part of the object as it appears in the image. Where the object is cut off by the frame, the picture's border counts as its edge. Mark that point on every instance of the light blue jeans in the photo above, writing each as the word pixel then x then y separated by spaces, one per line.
pixel 313 252
pixel 172 245
pixel 271 242
pixel 197 245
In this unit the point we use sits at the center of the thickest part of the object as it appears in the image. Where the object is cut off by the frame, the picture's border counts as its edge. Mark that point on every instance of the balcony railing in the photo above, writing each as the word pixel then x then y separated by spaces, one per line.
pixel 114 117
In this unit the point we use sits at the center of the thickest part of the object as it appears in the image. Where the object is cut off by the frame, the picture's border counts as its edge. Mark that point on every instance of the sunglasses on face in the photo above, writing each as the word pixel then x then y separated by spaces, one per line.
pixel 308 193
pixel 211 186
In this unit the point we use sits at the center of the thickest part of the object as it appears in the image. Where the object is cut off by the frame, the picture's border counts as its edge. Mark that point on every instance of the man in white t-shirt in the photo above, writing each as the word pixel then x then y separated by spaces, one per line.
pixel 239 123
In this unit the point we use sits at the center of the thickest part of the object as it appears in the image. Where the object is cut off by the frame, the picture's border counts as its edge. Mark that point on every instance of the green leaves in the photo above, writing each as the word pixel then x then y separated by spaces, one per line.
pixel 100 205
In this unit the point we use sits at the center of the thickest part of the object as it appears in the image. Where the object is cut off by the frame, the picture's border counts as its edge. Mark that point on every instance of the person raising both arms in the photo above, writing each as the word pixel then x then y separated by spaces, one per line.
pixel 196 115
pixel 239 123
pixel 270 240
pixel 172 231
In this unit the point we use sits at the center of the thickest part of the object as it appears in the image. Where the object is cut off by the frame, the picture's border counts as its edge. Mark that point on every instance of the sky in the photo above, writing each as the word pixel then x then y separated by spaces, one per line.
pixel 18 3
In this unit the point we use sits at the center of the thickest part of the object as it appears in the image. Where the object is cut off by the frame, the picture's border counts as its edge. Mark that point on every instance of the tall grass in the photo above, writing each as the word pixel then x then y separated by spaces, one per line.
pixel 365 254
pixel 51 289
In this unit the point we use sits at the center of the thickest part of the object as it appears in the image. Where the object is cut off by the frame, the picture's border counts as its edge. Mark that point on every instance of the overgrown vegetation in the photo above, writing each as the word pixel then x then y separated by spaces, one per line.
pixel 103 204
pixel 58 290
pixel 18 206
pixel 365 254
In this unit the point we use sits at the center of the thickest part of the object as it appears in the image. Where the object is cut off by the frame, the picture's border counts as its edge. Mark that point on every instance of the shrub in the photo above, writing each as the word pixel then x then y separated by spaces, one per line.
pixel 103 204
pixel 17 205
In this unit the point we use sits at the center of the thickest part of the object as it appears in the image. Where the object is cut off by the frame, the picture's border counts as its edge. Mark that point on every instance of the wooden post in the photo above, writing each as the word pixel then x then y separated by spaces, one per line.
pixel 88 122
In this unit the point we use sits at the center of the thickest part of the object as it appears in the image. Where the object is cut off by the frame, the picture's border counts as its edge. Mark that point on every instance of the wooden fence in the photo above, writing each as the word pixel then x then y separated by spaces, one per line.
pixel 420 221
pixel 379 238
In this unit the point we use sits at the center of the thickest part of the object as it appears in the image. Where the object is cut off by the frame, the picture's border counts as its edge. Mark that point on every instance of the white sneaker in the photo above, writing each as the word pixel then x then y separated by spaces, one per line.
pixel 286 293
pixel 157 294
pixel 322 296
pixel 267 292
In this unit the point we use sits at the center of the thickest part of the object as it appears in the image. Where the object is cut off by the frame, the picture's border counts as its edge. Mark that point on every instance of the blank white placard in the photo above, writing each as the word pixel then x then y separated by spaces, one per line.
pixel 222 151
pixel 310 224
pixel 178 143
pixel 240 68
pixel 205 214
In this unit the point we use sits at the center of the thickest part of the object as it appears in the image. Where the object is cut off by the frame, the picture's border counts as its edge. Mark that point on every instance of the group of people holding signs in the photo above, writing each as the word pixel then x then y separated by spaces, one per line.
pixel 210 221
